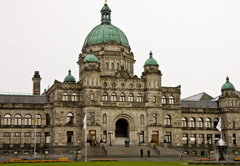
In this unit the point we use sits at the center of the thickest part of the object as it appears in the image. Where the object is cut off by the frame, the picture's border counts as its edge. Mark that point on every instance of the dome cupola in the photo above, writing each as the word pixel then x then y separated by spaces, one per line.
pixel 106 32
pixel 151 61
pixel 228 85
pixel 69 77
pixel 90 57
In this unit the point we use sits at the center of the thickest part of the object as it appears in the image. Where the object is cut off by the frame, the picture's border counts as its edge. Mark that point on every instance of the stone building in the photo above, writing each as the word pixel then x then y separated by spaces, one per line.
pixel 118 105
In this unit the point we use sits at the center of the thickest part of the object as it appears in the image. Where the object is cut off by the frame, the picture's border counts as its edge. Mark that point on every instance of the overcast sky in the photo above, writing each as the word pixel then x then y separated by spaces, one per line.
pixel 195 42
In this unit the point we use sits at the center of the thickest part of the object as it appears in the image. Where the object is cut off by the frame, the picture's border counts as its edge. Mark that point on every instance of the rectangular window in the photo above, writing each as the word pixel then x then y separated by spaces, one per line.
pixel 104 136
pixel 6 137
pixel 92 97
pixel 185 139
pixel 27 137
pixel 217 138
pixel 92 118
pixel 201 138
pixel 167 137
pixel 142 137
pixel 69 136
pixel 154 119
pixel 17 138
pixel 154 99
pixel 209 138
pixel 233 124
pixel 193 139
pixel 234 139
pixel 47 138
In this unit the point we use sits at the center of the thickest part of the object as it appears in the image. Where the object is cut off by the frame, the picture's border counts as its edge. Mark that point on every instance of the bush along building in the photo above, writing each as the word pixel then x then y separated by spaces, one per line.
pixel 118 105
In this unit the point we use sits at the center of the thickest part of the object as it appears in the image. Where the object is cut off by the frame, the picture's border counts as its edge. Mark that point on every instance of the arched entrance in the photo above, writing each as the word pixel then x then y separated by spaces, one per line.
pixel 121 128
pixel 122 131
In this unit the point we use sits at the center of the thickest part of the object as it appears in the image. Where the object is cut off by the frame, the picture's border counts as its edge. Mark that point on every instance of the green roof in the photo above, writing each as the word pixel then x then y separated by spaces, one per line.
pixel 228 85
pixel 69 77
pixel 106 32
pixel 106 8
pixel 151 60
pixel 90 57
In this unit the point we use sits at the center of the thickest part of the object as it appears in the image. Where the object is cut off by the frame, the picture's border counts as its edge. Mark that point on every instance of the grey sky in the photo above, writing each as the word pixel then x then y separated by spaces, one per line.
pixel 196 42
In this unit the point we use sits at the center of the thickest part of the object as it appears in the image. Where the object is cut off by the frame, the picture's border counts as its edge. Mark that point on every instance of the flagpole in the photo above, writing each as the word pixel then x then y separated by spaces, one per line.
pixel 85 146
pixel 85 132
pixel 35 137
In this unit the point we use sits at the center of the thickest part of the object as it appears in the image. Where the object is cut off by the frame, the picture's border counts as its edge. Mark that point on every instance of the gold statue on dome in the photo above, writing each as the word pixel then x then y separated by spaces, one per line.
pixel 105 1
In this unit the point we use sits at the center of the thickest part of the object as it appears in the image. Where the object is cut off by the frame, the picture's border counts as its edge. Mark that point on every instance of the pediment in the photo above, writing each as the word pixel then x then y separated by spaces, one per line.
pixel 122 74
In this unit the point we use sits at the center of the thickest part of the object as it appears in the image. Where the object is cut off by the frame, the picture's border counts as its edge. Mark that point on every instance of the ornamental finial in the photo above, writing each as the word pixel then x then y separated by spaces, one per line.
pixel 105 1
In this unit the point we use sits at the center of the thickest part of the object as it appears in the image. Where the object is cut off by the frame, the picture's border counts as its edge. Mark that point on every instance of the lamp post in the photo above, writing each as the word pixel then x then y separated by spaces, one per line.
pixel 110 133
pixel 139 134
pixel 77 152
pixel 209 149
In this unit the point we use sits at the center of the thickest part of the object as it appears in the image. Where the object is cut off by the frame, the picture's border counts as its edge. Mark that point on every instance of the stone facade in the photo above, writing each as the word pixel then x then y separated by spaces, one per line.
pixel 119 106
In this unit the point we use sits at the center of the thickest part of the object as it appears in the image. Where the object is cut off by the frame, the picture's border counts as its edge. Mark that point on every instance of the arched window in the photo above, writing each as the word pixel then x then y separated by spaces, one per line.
pixel 74 97
pixel 171 100
pixel 105 96
pixel 39 120
pixel 18 120
pixel 131 97
pixel 48 119
pixel 139 97
pixel 192 122
pixel 164 100
pixel 65 96
pixel 142 120
pixel 118 66
pixel 114 97
pixel 70 118
pixel 122 97
pixel 216 122
pixel 184 122
pixel 167 120
pixel 131 85
pixel 7 120
pixel 104 118
pixel 112 66
pixel 208 123
pixel 107 65
pixel 28 120
pixel 200 122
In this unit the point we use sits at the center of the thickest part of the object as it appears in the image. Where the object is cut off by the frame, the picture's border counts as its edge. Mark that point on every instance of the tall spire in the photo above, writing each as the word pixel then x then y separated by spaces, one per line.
pixel 106 14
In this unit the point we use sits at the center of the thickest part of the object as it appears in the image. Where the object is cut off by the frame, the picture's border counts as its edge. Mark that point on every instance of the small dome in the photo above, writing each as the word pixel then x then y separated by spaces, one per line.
pixel 90 57
pixel 151 61
pixel 69 77
pixel 228 85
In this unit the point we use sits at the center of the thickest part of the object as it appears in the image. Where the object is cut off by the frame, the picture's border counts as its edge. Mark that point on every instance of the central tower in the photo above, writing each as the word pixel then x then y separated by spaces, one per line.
pixel 109 45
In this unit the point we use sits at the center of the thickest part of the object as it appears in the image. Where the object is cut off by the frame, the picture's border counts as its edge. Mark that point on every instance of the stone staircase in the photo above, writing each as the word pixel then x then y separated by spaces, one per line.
pixel 132 151
pixel 94 152
pixel 167 152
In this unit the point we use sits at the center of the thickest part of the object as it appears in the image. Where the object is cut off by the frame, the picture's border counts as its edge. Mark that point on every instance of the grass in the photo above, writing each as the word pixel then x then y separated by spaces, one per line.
pixel 118 163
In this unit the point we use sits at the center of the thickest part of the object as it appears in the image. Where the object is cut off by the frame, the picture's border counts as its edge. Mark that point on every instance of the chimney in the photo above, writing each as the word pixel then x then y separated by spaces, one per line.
pixel 36 83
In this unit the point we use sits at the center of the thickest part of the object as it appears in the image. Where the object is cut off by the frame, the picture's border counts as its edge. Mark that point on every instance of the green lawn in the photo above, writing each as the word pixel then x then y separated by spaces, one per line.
pixel 118 163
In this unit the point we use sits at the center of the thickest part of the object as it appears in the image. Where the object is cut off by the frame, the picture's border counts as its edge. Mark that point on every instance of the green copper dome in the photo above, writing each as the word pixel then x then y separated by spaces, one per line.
pixel 228 85
pixel 106 32
pixel 151 61
pixel 90 57
pixel 69 77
